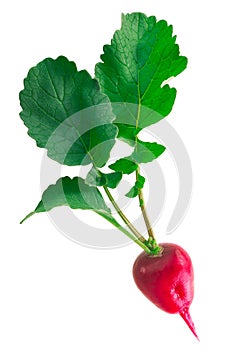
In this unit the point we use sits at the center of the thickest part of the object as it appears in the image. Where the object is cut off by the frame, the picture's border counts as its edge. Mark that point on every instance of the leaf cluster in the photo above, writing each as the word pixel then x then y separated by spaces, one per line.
pixel 78 119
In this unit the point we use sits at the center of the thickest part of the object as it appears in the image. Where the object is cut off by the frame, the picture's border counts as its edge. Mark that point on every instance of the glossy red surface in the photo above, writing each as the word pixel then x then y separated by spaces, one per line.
pixel 167 280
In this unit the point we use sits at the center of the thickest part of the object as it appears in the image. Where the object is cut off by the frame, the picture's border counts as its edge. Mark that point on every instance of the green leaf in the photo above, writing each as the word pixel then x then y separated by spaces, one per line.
pixel 66 113
pixel 97 178
pixel 141 202
pixel 124 165
pixel 145 152
pixel 113 179
pixel 74 193
pixel 143 54
pixel 134 191
pixel 127 133
pixel 140 181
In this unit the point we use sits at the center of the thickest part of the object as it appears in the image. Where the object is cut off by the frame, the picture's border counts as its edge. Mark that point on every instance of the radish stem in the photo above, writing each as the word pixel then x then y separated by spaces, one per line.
pixel 127 233
pixel 123 217
pixel 143 209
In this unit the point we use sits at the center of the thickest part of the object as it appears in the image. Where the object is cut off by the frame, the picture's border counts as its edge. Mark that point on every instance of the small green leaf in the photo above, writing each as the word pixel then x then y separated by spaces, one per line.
pixel 66 113
pixel 124 165
pixel 134 191
pixel 74 193
pixel 127 133
pixel 145 152
pixel 141 202
pixel 97 178
pixel 140 181
pixel 113 179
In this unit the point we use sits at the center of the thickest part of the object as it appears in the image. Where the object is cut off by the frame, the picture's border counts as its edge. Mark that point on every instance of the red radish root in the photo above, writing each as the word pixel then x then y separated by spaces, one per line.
pixel 166 280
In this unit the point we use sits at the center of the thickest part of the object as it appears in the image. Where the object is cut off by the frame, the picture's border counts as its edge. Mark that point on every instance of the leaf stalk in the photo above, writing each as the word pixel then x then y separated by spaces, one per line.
pixel 143 209
pixel 123 217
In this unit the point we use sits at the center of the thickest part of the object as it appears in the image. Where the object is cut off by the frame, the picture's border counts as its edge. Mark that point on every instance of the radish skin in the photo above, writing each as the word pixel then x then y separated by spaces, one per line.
pixel 167 280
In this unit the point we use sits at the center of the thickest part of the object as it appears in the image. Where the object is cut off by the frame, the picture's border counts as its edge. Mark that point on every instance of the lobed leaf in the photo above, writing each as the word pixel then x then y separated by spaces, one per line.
pixel 67 114
pixel 142 55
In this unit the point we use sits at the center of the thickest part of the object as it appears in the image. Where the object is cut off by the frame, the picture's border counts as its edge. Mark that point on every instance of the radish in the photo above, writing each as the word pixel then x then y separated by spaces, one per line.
pixel 166 280
pixel 78 120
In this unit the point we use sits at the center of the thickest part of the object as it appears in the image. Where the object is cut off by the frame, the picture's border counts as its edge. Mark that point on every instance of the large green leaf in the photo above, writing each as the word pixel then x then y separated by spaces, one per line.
pixel 74 193
pixel 66 113
pixel 142 56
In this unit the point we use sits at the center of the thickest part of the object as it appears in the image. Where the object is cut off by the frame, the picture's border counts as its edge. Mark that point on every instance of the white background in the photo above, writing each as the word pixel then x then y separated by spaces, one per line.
pixel 55 294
